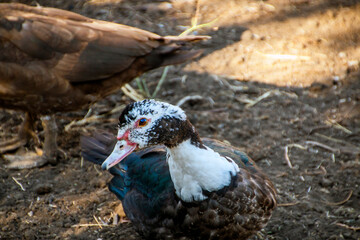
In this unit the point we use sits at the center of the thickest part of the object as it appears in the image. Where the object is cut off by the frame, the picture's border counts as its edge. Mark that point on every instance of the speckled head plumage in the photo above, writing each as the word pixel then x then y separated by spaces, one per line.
pixel 149 122
pixel 149 107
pixel 163 121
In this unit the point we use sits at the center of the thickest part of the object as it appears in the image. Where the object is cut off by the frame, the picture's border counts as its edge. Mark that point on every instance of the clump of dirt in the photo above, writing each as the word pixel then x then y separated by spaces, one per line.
pixel 279 79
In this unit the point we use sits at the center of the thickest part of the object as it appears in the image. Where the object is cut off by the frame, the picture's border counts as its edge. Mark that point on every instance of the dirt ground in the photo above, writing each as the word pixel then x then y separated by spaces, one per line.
pixel 279 79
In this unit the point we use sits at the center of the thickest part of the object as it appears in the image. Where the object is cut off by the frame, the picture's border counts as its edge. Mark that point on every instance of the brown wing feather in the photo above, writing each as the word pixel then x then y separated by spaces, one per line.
pixel 54 60
pixel 89 49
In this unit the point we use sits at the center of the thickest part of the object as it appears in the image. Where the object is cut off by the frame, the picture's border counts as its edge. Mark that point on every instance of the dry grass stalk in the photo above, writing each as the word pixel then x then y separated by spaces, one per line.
pixel 287 204
pixel 322 171
pixel 91 119
pixel 262 97
pixel 287 152
pixel 330 138
pixel 99 224
pixel 267 94
pixel 188 98
pixel 287 157
pixel 336 125
pixel 318 144
pixel 341 202
pixel 83 121
pixel 349 148
pixel 18 183
pixel 28 173
pixel 131 93
pixel 348 227
pixel 90 225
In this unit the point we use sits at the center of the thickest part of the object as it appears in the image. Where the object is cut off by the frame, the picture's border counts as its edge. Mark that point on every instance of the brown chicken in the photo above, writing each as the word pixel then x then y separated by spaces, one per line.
pixel 52 60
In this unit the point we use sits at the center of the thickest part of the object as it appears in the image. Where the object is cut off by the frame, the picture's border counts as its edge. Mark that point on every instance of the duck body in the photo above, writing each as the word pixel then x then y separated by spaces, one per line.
pixel 63 61
pixel 167 197
pixel 53 60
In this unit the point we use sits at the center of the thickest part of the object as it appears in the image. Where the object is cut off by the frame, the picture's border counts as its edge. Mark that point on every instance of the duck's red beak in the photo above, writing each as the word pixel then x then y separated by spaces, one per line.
pixel 122 149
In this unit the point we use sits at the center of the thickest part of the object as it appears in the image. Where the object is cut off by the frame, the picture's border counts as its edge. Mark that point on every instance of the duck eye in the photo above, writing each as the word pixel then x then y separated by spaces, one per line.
pixel 143 122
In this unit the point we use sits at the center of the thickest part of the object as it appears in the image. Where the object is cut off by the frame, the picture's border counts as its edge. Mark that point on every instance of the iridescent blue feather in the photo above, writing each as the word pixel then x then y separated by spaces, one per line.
pixel 142 182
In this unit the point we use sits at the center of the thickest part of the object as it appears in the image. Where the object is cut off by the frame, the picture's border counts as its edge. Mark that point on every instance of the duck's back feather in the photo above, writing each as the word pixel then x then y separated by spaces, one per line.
pixel 52 60
pixel 142 182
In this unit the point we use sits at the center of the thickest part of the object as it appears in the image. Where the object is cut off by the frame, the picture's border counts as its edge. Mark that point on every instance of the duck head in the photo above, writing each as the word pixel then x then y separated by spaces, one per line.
pixel 149 122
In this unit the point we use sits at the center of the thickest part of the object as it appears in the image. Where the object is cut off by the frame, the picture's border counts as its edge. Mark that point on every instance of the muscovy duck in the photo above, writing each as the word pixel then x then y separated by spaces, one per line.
pixel 53 60
pixel 179 185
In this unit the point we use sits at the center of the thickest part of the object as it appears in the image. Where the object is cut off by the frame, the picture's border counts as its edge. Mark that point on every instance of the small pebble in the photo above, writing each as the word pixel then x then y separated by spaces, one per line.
pixel 324 182
pixel 31 213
